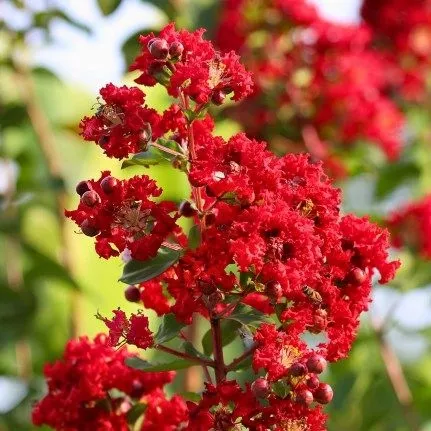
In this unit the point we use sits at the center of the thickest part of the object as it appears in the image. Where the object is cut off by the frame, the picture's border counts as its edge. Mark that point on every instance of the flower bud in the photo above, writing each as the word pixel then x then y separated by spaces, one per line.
pixel 316 364
pixel 176 49
pixel 304 397
pixel 132 294
pixel 109 184
pixel 323 394
pixel 313 382
pixel 187 209
pixel 218 97
pixel 273 290
pixel 260 388
pixel 90 198
pixel 297 369
pixel 138 389
pixel 82 187
pixel 88 228
pixel 357 276
pixel 145 137
pixel 158 48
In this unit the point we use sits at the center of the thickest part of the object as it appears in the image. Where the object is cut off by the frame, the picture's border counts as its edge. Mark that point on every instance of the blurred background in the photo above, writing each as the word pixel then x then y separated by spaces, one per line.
pixel 54 57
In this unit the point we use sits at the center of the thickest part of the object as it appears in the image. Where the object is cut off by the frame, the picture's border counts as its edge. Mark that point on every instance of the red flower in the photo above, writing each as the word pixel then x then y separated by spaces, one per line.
pixel 126 218
pixel 79 384
pixel 123 124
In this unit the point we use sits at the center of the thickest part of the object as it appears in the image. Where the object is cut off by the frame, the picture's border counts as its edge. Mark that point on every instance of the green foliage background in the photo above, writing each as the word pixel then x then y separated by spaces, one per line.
pixel 38 293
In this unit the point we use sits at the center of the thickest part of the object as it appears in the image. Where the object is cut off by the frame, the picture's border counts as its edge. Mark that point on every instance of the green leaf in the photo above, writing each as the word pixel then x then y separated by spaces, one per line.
pixel 13 114
pixel 393 175
pixel 188 348
pixel 145 159
pixel 248 316
pixel 108 6
pixel 136 412
pixel 190 396
pixel 177 364
pixel 194 237
pixel 280 388
pixel 166 6
pixel 17 311
pixel 168 329
pixel 138 271
pixel 43 19
pixel 44 266
pixel 229 331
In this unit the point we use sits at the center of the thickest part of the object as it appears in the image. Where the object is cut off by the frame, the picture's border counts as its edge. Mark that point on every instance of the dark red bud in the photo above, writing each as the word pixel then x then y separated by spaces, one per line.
pixel 210 219
pixel 209 192
pixel 144 138
pixel 90 198
pixel 323 394
pixel 357 276
pixel 88 228
pixel 132 294
pixel 260 388
pixel 273 290
pixel 218 97
pixel 103 140
pixel 159 48
pixel 82 187
pixel 186 209
pixel 304 397
pixel 313 382
pixel 176 49
pixel 297 369
pixel 109 184
pixel 138 389
pixel 316 364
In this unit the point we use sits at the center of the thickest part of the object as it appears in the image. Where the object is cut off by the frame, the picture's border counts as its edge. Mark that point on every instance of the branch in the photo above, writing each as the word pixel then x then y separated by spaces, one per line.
pixel 241 358
pixel 220 369
pixel 199 361
pixel 397 378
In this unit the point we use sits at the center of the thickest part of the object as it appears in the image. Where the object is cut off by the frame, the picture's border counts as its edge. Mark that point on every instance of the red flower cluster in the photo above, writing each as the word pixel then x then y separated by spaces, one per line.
pixel 411 226
pixel 269 250
pixel 402 34
pixel 121 215
pixel 189 65
pixel 80 388
pixel 311 75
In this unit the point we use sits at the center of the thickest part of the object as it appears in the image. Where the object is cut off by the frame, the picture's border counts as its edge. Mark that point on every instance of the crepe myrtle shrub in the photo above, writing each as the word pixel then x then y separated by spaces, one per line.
pixel 268 250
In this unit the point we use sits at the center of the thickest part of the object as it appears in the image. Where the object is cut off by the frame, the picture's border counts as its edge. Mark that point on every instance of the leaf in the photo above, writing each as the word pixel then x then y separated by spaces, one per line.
pixel 138 271
pixel 194 237
pixel 188 348
pixel 166 6
pixel 108 6
pixel 280 388
pixel 142 159
pixel 248 316
pixel 13 114
pixel 17 311
pixel 136 412
pixel 43 19
pixel 177 364
pixel 168 329
pixel 393 175
pixel 44 266
pixel 229 331
pixel 190 396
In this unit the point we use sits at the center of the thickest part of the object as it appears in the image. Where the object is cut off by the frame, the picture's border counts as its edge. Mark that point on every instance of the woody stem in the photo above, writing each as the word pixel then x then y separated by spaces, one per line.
pixel 220 369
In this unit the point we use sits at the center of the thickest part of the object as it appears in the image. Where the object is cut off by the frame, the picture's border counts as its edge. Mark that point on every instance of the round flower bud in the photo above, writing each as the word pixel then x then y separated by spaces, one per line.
pixel 109 184
pixel 218 97
pixel 90 198
pixel 357 275
pixel 273 290
pixel 323 394
pixel 176 49
pixel 144 138
pixel 88 228
pixel 210 218
pixel 304 397
pixel 82 187
pixel 260 388
pixel 138 389
pixel 132 294
pixel 297 369
pixel 186 209
pixel 159 48
pixel 316 364
pixel 103 140
pixel 313 382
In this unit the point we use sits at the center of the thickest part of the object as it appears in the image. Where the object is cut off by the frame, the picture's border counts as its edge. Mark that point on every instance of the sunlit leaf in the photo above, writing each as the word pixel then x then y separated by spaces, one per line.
pixel 168 329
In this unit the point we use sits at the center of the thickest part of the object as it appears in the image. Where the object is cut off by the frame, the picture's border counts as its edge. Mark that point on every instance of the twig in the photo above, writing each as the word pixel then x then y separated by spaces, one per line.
pixel 397 378
pixel 241 358
pixel 220 369
pixel 199 361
